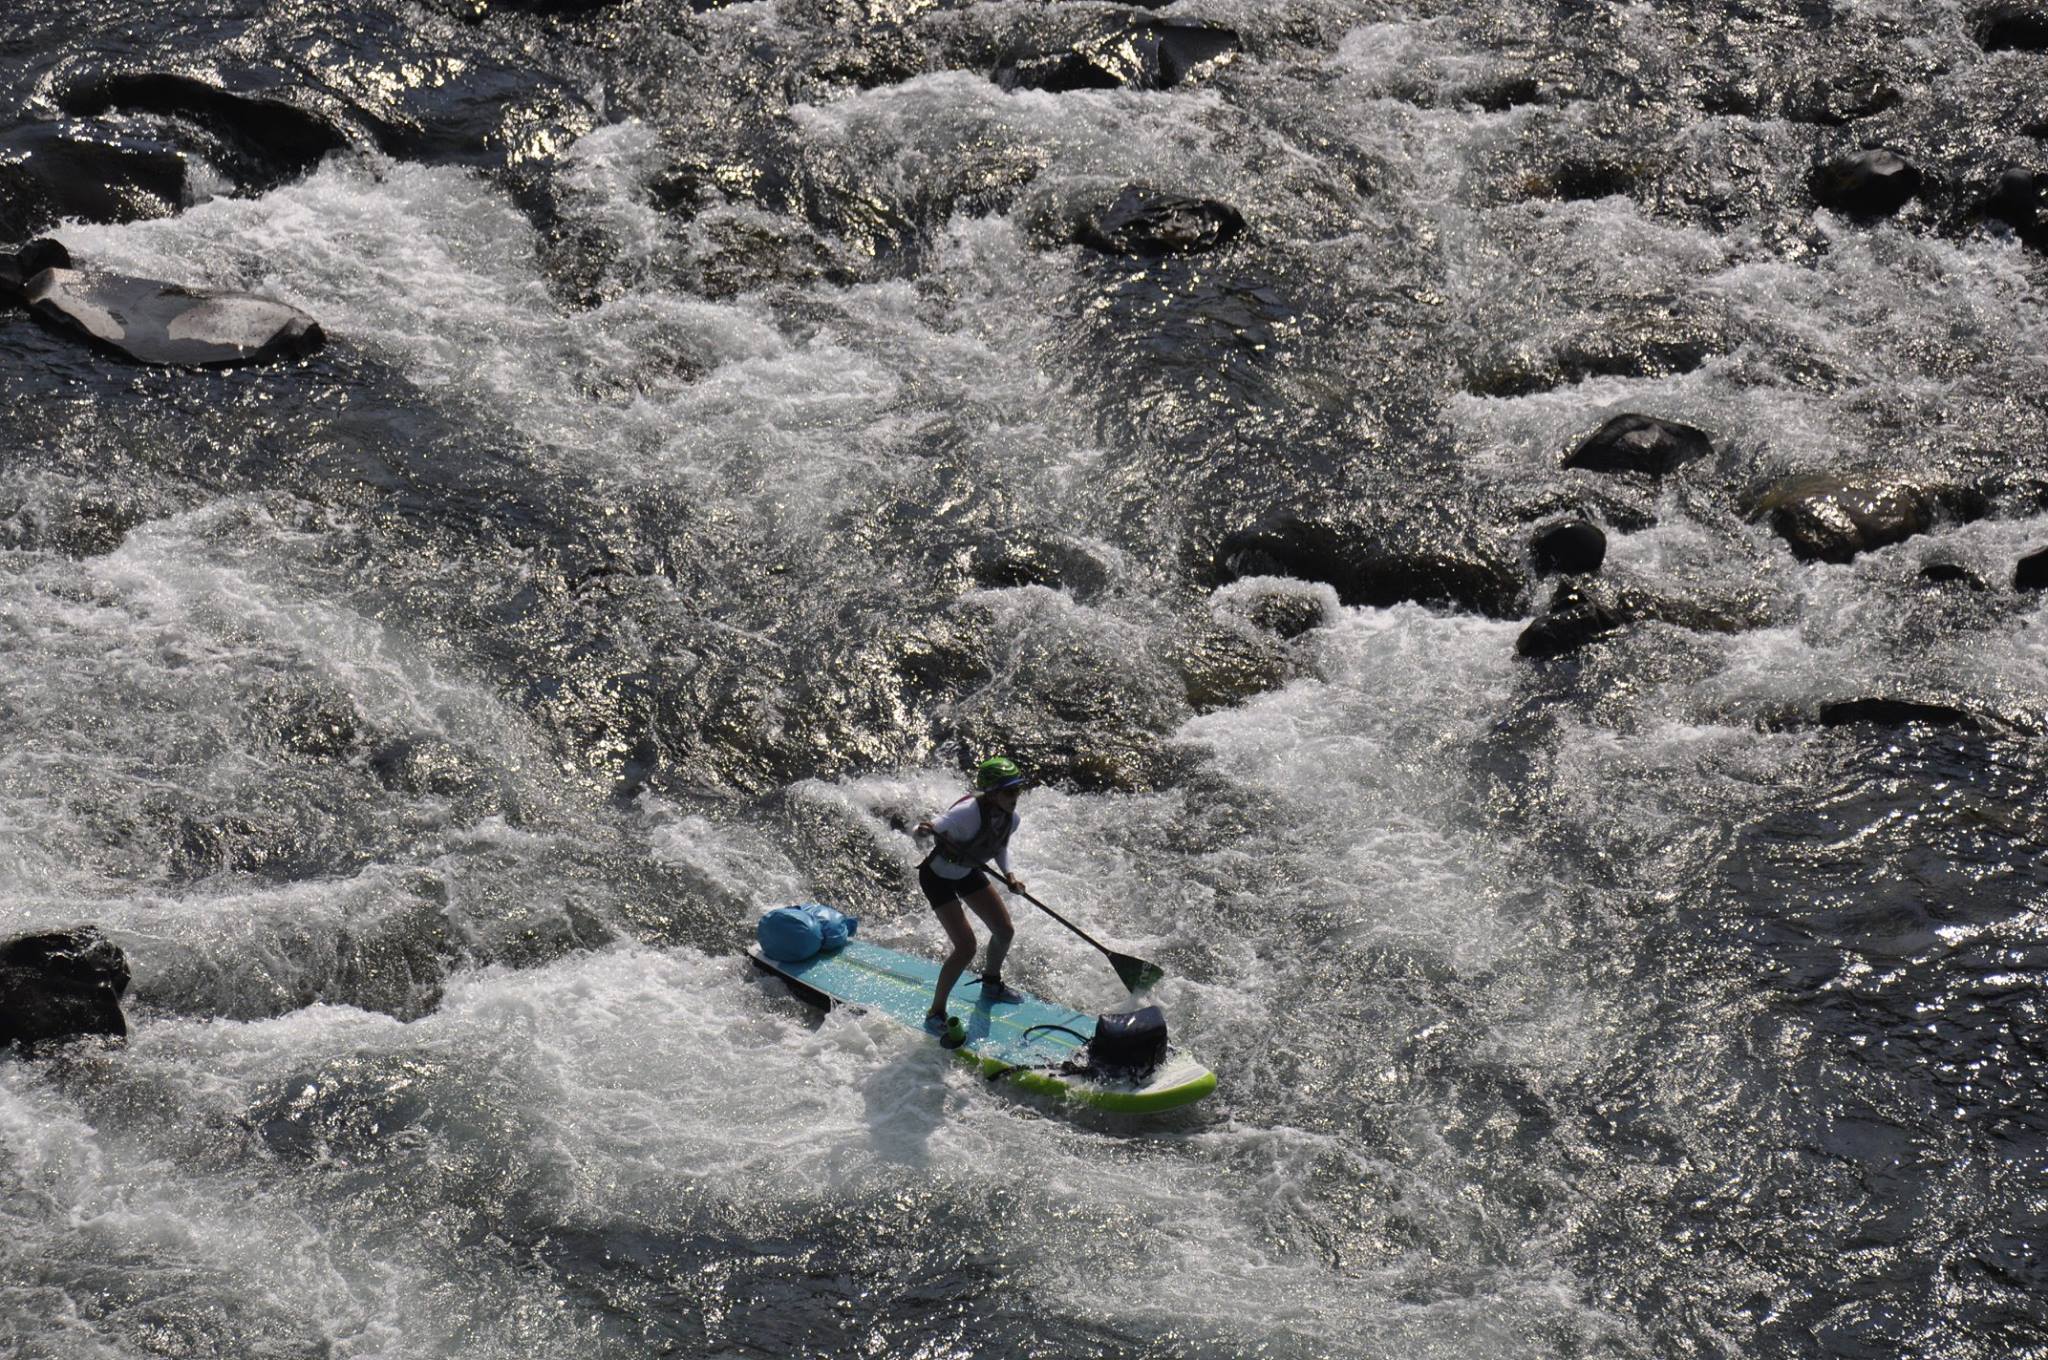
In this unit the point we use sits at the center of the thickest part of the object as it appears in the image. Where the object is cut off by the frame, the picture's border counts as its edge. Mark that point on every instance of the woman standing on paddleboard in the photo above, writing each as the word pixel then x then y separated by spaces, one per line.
pixel 971 832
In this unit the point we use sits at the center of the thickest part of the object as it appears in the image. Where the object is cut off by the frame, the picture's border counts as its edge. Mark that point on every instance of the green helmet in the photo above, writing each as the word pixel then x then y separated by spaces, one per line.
pixel 998 772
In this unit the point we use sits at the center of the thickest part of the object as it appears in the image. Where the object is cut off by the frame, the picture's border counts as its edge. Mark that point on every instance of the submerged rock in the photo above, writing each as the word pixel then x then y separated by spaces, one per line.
pixel 1577 615
pixel 265 140
pixel 1640 444
pixel 1872 183
pixel 1830 519
pixel 1144 222
pixel 1843 98
pixel 1574 548
pixel 2031 572
pixel 162 323
pixel 53 171
pixel 2016 27
pixel 1222 666
pixel 2016 201
pixel 1028 559
pixel 1286 609
pixel 1943 572
pixel 1380 562
pixel 1895 713
pixel 1121 53
pixel 18 267
pixel 61 985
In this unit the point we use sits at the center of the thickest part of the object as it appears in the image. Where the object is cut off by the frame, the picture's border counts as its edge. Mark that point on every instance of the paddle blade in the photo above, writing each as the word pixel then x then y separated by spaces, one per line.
pixel 1138 975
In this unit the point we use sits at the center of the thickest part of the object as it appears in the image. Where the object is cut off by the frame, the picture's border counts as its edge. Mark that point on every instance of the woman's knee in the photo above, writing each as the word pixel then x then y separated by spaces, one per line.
pixel 963 952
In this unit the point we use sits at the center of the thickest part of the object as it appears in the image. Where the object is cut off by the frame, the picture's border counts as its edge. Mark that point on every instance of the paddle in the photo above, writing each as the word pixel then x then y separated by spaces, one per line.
pixel 1136 974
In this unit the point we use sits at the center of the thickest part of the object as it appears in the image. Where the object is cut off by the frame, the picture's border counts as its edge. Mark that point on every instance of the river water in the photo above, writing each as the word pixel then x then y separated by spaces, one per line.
pixel 721 442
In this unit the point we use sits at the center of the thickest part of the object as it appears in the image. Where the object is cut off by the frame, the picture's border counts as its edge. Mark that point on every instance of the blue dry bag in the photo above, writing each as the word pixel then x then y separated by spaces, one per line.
pixel 789 935
pixel 793 934
pixel 834 927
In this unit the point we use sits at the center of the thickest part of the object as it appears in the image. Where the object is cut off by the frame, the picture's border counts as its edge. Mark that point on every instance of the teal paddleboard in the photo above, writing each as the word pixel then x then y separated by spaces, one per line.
pixel 1031 1043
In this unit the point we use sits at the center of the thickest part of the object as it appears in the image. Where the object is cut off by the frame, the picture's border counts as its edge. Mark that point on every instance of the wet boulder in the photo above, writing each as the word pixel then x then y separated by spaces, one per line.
pixel 1402 557
pixel 60 985
pixel 1945 572
pixel 260 140
pixel 1832 519
pixel 1148 224
pixel 2031 572
pixel 162 323
pixel 1573 548
pixel 1577 615
pixel 79 521
pixel 1872 183
pixel 53 171
pixel 1027 559
pixel 1727 614
pixel 1842 98
pixel 1632 443
pixel 475 11
pixel 1286 609
pixel 1222 666
pixel 18 267
pixel 1118 53
pixel 1892 712
pixel 2015 27
pixel 2016 201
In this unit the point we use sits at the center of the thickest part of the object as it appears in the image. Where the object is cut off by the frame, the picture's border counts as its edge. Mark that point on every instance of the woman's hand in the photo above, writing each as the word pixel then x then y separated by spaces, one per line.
pixel 1016 884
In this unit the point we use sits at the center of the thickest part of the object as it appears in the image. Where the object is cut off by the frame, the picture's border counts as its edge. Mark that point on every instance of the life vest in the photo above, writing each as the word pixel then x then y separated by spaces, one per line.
pixel 986 843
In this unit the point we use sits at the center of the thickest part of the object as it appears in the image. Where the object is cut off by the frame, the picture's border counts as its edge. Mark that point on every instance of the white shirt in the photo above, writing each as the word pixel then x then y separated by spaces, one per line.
pixel 960 824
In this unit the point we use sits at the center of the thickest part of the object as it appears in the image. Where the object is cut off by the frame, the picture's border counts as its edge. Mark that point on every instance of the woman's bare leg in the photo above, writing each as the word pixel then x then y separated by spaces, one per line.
pixel 996 916
pixel 962 935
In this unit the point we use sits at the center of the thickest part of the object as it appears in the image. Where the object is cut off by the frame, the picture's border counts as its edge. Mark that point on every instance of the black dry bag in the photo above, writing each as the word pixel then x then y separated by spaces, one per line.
pixel 1130 1044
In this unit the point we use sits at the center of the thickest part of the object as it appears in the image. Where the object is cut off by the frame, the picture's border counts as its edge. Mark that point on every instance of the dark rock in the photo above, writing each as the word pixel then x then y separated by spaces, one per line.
pixel 161 323
pixel 1842 99
pixel 1576 617
pixel 1406 558
pixel 1627 507
pixel 2021 27
pixel 1575 548
pixel 2031 573
pixel 18 267
pixel 1640 444
pixel 1222 666
pixel 1120 53
pixel 83 518
pixel 1895 713
pixel 50 172
pixel 1829 519
pixel 1145 223
pixel 311 721
pixel 1507 92
pixel 264 140
pixel 424 765
pixel 61 985
pixel 1871 183
pixel 1944 573
pixel 1737 614
pixel 2016 201
pixel 476 10
pixel 1286 614
pixel 38 255
pixel 1582 179
pixel 1627 341
pixel 1030 561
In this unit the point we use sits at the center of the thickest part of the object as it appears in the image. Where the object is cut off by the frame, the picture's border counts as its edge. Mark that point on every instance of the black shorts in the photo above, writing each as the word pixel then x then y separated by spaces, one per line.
pixel 939 891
